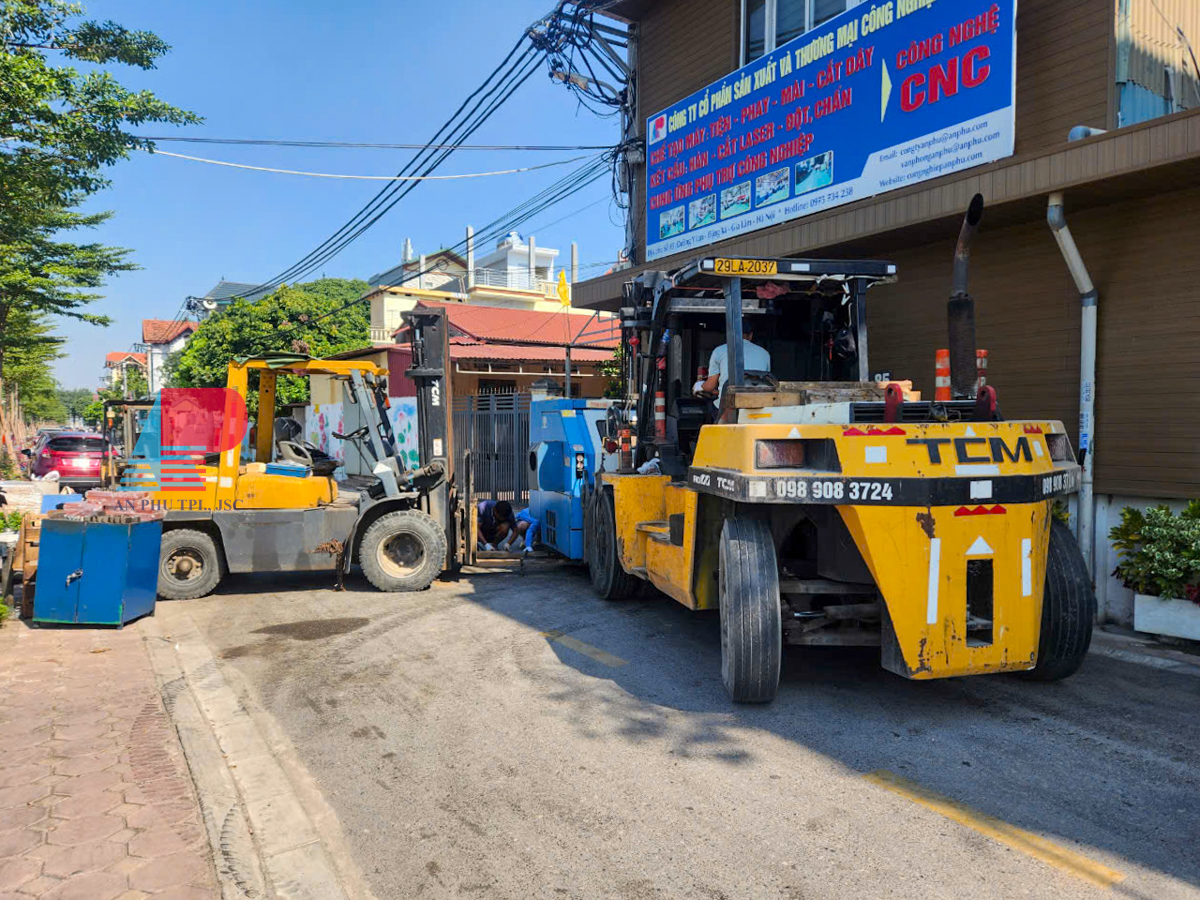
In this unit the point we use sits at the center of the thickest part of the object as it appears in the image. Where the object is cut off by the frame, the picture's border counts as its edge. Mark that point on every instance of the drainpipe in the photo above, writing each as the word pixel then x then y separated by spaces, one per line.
pixel 1088 297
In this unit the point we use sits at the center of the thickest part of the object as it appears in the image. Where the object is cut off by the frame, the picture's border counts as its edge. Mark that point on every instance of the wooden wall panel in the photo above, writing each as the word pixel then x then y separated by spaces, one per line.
pixel 1148 433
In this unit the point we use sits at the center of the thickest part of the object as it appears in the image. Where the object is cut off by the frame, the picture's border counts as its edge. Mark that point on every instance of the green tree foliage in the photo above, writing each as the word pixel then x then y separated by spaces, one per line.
pixel 59 129
pixel 30 350
pixel 288 320
pixel 77 399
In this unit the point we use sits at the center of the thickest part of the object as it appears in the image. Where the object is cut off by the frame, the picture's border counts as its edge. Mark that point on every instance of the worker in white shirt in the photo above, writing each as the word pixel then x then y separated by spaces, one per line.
pixel 754 359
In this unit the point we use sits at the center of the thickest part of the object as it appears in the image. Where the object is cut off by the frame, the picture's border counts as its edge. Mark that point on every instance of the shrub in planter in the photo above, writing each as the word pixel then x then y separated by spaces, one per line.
pixel 1160 551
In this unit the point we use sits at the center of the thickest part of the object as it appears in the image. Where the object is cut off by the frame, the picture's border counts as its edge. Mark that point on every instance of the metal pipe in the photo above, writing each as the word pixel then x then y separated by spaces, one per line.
pixel 1088 298
pixel 961 308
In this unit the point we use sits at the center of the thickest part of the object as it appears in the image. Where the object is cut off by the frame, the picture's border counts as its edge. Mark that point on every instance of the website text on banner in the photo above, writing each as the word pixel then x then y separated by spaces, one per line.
pixel 881 97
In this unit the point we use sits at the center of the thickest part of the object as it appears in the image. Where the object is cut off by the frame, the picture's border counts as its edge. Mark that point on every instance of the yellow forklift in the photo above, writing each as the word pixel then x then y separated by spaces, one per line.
pixel 403 526
pixel 815 507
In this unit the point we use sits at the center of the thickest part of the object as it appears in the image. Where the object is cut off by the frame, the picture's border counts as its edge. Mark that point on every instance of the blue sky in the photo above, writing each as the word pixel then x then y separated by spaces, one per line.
pixel 356 70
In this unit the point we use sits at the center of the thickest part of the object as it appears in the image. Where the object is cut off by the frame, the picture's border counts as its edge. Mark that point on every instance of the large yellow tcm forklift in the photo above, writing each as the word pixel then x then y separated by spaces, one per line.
pixel 403 526
pixel 812 506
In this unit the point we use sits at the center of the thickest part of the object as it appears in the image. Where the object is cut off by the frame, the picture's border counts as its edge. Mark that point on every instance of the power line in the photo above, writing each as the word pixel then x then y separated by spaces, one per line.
pixel 218 162
pixel 572 183
pixel 347 233
pixel 356 145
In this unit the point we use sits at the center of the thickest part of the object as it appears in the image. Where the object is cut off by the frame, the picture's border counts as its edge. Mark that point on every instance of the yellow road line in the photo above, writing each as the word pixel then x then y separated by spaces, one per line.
pixel 601 656
pixel 998 830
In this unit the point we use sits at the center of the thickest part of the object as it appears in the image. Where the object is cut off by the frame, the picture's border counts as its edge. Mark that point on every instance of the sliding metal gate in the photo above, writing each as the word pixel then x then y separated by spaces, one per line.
pixel 494 428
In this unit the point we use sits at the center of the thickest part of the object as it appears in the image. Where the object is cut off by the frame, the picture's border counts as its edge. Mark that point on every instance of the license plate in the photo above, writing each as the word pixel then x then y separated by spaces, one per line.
pixel 747 267
pixel 81 463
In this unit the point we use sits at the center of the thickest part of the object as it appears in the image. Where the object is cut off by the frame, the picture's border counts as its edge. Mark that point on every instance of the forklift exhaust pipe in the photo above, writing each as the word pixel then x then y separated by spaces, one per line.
pixel 961 309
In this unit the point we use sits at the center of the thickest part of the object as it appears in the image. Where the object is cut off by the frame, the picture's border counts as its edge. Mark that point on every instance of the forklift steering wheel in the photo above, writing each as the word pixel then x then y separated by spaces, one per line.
pixel 299 453
pixel 352 436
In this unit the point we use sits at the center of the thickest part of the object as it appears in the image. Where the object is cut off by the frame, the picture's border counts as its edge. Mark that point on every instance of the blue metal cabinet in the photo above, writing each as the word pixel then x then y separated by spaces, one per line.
pixel 96 573
pixel 564 438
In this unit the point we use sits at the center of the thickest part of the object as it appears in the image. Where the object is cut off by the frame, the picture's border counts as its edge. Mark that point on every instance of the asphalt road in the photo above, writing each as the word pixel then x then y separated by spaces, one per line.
pixel 516 737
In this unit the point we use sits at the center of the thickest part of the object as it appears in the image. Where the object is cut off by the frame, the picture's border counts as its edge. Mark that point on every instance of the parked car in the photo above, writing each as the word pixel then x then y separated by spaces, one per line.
pixel 77 457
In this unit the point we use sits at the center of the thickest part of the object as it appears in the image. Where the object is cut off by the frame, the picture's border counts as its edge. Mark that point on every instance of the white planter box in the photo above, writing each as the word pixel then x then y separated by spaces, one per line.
pixel 1161 615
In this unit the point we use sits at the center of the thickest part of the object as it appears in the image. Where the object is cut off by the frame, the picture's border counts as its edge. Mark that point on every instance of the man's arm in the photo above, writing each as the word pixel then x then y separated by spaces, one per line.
pixel 716 363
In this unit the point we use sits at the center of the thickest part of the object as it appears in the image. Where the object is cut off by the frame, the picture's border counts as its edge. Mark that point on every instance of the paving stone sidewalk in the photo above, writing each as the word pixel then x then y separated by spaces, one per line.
pixel 96 802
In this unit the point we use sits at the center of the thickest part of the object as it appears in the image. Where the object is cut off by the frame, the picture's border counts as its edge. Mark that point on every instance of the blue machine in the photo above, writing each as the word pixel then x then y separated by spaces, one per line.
pixel 96 573
pixel 564 445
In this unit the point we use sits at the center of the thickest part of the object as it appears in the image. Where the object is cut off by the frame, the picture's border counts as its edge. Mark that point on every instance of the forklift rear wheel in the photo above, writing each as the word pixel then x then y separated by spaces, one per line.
pixel 1068 609
pixel 751 613
pixel 189 565
pixel 610 580
pixel 403 551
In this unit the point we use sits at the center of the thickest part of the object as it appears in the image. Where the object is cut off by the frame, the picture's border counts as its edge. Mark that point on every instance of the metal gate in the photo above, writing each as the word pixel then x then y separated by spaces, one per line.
pixel 494 428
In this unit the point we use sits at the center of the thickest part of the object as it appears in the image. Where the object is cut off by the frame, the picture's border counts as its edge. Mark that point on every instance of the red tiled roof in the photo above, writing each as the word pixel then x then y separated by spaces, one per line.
pixel 116 357
pixel 498 324
pixel 527 354
pixel 163 331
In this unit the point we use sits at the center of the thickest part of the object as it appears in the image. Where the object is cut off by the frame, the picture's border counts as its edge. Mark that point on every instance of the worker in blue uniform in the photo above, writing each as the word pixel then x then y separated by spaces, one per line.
pixel 528 528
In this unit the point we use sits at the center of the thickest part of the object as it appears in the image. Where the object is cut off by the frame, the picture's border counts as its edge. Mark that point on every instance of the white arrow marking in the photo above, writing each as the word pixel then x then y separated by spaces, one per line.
pixel 970 432
pixel 980 548
pixel 887 91
pixel 795 433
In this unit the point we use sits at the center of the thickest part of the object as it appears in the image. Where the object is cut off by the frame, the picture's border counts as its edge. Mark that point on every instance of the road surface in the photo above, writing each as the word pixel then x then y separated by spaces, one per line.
pixel 516 737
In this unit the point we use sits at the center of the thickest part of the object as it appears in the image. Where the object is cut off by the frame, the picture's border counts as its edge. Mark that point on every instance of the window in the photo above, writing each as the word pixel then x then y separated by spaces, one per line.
pixel 767 24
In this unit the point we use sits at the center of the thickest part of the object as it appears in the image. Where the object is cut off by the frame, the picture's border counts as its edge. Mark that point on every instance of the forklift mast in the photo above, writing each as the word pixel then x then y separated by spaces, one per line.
pixel 430 338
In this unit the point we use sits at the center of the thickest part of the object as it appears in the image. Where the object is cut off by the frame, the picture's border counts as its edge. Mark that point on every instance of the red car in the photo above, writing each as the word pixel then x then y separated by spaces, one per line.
pixel 76 456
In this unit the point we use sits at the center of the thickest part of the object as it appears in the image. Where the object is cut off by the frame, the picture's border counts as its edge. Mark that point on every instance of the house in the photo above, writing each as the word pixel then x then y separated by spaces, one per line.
pixel 502 277
pixel 163 337
pixel 118 363
pixel 493 350
pixel 1087 112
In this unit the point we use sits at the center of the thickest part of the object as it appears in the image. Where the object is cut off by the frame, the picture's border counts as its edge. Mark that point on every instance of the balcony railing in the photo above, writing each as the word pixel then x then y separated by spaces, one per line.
pixel 512 279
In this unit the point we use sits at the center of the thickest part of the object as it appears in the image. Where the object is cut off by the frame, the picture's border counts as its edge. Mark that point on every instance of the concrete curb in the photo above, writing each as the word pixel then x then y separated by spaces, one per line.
pixel 238 868
pixel 286 846
pixel 1134 650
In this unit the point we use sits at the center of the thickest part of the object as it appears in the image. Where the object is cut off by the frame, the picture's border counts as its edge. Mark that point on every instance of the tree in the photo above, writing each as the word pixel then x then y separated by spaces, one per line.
pixel 285 321
pixel 59 128
pixel 75 400
pixel 25 371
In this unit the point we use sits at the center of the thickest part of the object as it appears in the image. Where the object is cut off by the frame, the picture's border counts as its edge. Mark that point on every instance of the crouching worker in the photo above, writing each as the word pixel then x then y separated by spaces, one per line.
pixel 496 523
pixel 528 528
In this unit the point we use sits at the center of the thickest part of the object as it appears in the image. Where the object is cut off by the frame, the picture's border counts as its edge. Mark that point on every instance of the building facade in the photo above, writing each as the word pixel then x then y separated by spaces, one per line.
pixel 1124 70
pixel 502 277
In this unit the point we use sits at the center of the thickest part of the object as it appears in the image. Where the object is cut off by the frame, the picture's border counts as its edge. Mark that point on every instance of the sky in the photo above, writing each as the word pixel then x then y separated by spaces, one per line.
pixel 354 70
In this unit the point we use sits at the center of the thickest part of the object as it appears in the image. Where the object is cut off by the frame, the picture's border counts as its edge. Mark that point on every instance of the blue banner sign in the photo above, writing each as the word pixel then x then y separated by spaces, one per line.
pixel 886 95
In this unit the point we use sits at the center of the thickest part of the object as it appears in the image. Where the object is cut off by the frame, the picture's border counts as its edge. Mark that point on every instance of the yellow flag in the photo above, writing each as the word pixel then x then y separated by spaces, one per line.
pixel 564 290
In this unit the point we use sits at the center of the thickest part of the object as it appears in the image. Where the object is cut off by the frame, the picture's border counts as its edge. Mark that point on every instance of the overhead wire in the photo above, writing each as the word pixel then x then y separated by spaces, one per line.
pixel 357 145
pixel 233 165
pixel 451 131
pixel 397 193
pixel 572 183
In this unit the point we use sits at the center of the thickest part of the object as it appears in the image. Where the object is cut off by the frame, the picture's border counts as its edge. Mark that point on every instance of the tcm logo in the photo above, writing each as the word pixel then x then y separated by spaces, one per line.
pixel 184 425
pixel 977 450
pixel 658 129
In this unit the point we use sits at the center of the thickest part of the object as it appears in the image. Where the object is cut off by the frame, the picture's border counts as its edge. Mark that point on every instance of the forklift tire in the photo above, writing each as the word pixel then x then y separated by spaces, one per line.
pixel 609 578
pixel 403 551
pixel 751 612
pixel 189 565
pixel 1068 609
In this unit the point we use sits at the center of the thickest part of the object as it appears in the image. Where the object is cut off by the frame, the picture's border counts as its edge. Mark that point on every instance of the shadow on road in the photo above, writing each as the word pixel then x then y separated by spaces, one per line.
pixel 1109 758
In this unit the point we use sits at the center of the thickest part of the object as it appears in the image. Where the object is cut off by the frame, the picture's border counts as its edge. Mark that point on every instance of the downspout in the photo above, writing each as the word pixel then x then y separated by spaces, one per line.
pixel 1088 298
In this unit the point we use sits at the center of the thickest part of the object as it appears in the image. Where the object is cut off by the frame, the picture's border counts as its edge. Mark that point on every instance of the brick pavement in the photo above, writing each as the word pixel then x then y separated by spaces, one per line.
pixel 96 802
